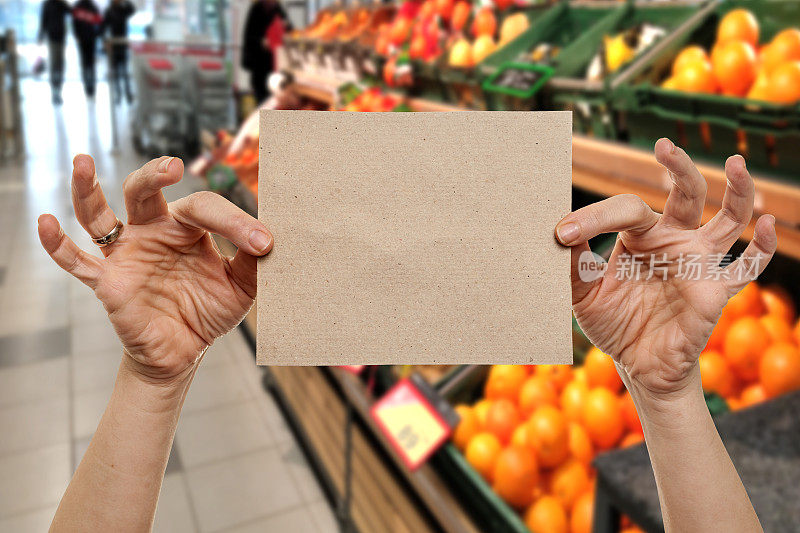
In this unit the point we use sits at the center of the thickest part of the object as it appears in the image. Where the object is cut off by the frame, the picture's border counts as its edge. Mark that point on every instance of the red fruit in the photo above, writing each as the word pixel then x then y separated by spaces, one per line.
pixel 502 5
pixel 460 15
pixel 444 8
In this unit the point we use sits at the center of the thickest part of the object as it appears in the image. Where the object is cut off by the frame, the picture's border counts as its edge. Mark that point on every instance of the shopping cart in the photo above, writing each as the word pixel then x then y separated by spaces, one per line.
pixel 210 91
pixel 160 119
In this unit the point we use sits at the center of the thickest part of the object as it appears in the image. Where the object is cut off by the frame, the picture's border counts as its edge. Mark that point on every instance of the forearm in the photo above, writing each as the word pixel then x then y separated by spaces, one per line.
pixel 116 485
pixel 698 486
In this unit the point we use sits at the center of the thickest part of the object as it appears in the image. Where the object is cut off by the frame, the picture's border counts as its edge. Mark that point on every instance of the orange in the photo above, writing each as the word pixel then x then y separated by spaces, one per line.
pixel 734 66
pixel 468 426
pixel 520 437
pixel 482 452
pixel 779 370
pixel 717 339
pixel 504 381
pixel 670 83
pixel 688 55
pixel 747 302
pixel 779 329
pixel 483 47
pixel 481 409
pixel 629 414
pixel 581 518
pixel 501 419
pixel 796 332
pixel 546 516
pixel 631 529
pixel 602 418
pixel 535 392
pixel 516 475
pixel 460 15
pixel 631 439
pixel 759 89
pixel 784 83
pixel 778 302
pixel 558 375
pixel 444 8
pixel 572 398
pixel 784 47
pixel 549 434
pixel 484 22
pixel 738 25
pixel 418 47
pixel 601 371
pixel 568 482
pixel 401 29
pixel 461 54
pixel 716 374
pixel 579 374
pixel 745 341
pixel 580 445
pixel 512 27
pixel 752 395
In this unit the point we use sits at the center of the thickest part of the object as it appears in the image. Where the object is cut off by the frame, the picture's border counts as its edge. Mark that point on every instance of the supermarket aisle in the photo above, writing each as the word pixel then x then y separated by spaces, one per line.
pixel 234 465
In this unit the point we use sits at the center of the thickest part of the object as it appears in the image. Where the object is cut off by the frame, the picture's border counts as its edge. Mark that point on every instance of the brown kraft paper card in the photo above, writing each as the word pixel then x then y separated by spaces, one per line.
pixel 423 238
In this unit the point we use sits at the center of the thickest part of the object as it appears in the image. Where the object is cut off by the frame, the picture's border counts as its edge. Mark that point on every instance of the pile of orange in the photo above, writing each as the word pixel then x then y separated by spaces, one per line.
pixel 753 353
pixel 535 432
pixel 738 66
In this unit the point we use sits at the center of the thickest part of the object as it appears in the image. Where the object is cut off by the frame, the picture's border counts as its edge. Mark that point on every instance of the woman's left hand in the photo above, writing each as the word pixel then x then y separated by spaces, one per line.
pixel 167 289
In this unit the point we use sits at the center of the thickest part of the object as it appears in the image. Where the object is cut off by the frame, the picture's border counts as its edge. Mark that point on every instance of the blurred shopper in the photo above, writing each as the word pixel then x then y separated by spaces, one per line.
pixel 257 55
pixel 52 26
pixel 86 22
pixel 115 22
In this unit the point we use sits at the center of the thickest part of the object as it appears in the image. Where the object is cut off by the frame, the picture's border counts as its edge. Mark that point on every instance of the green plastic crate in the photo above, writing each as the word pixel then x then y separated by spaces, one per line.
pixel 559 26
pixel 591 101
pixel 713 127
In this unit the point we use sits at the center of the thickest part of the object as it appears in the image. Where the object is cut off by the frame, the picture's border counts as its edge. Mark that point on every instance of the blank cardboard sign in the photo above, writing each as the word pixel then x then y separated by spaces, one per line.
pixel 414 238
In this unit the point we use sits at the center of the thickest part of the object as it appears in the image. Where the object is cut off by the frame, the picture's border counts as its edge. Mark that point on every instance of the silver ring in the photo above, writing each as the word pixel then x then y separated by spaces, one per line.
pixel 110 237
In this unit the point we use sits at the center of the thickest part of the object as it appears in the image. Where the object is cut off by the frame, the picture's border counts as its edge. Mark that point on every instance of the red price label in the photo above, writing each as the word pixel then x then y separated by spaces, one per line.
pixel 411 424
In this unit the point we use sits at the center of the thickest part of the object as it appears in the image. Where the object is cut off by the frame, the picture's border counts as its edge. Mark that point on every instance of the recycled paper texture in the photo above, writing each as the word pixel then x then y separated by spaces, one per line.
pixel 414 238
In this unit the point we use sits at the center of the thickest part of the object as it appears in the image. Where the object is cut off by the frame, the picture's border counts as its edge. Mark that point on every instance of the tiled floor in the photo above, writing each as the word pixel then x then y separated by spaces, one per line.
pixel 234 466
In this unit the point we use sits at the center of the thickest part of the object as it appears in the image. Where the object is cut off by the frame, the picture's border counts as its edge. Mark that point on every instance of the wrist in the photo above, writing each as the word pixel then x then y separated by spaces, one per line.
pixel 164 385
pixel 672 408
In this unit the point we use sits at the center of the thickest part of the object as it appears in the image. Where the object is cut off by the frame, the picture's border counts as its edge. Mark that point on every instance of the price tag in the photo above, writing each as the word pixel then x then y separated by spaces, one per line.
pixel 408 419
pixel 521 80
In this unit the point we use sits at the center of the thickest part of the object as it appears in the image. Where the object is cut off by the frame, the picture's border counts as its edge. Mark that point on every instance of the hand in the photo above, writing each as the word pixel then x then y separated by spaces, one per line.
pixel 655 329
pixel 167 289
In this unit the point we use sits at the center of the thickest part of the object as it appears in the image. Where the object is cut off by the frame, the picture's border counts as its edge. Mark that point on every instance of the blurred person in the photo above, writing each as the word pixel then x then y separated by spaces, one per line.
pixel 52 26
pixel 257 54
pixel 115 21
pixel 170 293
pixel 86 21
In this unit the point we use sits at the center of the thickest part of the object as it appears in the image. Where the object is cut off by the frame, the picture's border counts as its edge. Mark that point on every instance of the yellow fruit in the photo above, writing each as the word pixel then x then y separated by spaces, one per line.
pixel 484 46
pixel 512 27
pixel 461 54
pixel 687 56
pixel 617 52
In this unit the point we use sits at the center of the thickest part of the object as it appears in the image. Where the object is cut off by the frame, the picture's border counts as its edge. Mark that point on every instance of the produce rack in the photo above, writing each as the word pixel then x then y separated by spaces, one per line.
pixel 330 409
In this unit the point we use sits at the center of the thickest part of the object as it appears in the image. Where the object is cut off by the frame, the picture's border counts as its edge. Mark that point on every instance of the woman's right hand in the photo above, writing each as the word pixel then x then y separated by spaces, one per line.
pixel 655 325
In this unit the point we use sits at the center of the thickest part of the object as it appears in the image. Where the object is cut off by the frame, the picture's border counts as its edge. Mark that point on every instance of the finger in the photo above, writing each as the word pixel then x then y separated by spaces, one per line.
pixel 91 208
pixel 585 273
pixel 684 207
pixel 243 271
pixel 624 212
pixel 737 205
pixel 66 254
pixel 755 257
pixel 211 212
pixel 142 189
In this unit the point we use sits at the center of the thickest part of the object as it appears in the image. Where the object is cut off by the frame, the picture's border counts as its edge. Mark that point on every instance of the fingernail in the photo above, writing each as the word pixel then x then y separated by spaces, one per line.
pixel 260 240
pixel 164 165
pixel 568 232
pixel 671 147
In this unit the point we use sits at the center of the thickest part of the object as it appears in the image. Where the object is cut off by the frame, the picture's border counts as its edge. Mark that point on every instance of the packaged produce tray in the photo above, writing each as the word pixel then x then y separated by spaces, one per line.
pixel 710 126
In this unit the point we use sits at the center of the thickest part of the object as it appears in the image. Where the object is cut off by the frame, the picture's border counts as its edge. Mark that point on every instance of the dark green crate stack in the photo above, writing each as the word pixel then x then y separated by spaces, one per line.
pixel 713 127
pixel 559 26
pixel 590 101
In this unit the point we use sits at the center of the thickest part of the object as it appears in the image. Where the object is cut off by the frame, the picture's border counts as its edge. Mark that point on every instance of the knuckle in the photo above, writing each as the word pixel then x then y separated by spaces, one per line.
pixel 199 200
